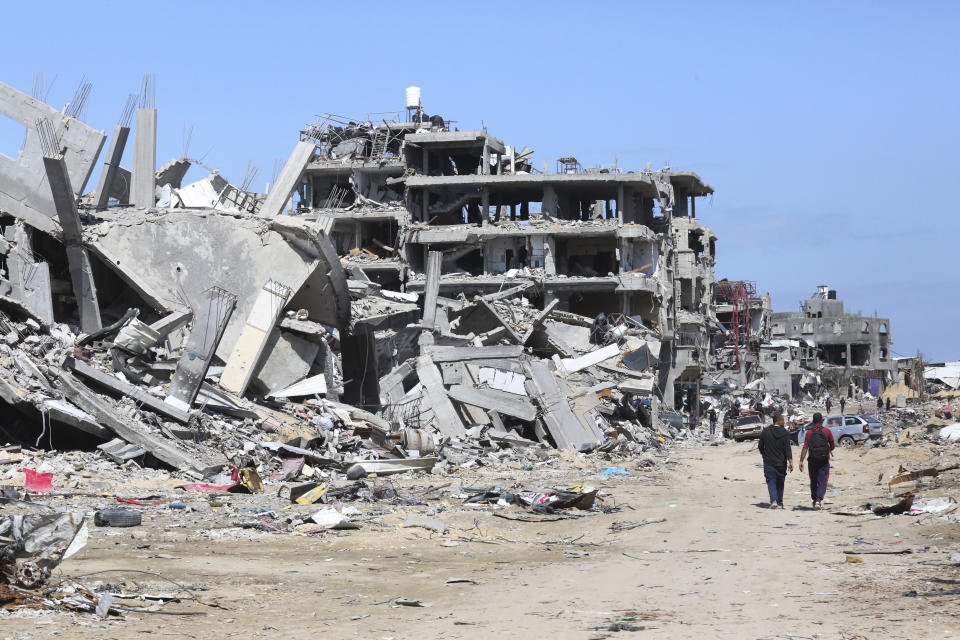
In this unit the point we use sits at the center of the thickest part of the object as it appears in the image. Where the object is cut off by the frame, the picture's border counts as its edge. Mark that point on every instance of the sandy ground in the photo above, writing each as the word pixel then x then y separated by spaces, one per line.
pixel 721 565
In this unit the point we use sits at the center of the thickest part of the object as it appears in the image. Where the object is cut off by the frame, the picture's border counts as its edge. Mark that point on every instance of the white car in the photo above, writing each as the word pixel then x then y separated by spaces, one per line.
pixel 847 429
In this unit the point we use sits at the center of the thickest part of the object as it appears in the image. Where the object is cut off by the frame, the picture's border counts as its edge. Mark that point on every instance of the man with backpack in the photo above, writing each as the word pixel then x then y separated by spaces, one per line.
pixel 777 455
pixel 819 442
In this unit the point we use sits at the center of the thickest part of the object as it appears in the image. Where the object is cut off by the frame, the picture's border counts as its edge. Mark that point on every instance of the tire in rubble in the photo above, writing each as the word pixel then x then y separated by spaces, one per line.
pixel 117 518
pixel 846 441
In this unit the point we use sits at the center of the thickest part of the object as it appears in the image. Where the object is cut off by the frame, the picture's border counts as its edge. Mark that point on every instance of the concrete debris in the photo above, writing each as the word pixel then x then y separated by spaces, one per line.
pixel 406 299
pixel 426 522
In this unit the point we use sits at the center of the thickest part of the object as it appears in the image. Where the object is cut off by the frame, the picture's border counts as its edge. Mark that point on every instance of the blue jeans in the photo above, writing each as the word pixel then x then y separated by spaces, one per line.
pixel 819 473
pixel 713 427
pixel 775 477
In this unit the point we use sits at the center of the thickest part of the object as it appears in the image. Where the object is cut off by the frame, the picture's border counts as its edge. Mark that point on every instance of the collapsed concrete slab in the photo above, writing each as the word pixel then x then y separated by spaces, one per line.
pixel 24 192
pixel 29 277
pixel 183 456
pixel 172 258
pixel 253 338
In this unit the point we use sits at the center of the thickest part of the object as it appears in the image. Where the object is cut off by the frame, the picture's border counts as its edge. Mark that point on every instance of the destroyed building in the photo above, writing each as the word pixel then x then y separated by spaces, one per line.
pixel 743 324
pixel 429 278
pixel 848 348
pixel 626 244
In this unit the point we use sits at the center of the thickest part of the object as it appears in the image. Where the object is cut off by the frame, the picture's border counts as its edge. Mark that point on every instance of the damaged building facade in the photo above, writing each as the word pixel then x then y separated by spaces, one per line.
pixel 398 274
pixel 798 353
pixel 624 244
pixel 424 276
pixel 430 274
pixel 850 349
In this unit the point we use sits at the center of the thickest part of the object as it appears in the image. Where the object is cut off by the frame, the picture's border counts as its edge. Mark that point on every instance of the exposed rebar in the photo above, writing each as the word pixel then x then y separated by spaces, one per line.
pixel 148 92
pixel 78 105
pixel 126 116
pixel 49 141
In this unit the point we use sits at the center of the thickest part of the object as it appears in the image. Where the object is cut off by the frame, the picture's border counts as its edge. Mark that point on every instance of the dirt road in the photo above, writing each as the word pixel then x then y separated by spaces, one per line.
pixel 721 565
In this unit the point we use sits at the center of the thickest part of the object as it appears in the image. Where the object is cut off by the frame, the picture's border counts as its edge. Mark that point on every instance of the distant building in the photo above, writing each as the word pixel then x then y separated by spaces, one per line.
pixel 848 346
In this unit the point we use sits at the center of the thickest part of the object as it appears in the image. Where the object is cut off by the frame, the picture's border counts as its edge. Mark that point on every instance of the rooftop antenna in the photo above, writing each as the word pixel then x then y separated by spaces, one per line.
pixel 78 105
pixel 148 92
pixel 128 108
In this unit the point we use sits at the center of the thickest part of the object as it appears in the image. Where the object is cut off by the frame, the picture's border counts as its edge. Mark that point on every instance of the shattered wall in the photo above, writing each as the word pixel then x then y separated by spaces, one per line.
pixel 174 257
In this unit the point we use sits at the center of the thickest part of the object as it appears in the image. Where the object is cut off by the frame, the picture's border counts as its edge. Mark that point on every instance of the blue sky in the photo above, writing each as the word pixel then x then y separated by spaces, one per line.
pixel 828 131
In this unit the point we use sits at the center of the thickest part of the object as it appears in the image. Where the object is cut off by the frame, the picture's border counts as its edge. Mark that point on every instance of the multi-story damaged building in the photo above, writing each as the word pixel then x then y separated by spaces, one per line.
pixel 743 324
pixel 591 241
pixel 855 349
pixel 399 275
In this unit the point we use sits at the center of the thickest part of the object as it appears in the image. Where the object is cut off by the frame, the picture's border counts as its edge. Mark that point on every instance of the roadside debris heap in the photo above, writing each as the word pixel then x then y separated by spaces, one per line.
pixel 200 330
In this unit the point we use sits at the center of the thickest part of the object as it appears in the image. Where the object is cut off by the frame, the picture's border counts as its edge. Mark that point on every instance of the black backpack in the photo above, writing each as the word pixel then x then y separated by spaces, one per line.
pixel 819 446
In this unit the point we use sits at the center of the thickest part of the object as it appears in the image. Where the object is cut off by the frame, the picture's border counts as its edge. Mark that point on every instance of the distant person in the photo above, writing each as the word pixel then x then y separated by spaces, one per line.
pixel 819 442
pixel 522 256
pixel 843 404
pixel 829 404
pixel 888 403
pixel 774 446
pixel 712 415
pixel 879 405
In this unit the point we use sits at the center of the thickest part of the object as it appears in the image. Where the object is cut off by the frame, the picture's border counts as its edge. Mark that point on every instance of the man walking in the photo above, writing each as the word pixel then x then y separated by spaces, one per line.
pixel 712 414
pixel 879 405
pixel 777 456
pixel 843 403
pixel 819 442
pixel 828 404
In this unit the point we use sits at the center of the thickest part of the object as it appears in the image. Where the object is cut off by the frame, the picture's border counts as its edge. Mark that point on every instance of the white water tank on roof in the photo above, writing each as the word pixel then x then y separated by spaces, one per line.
pixel 413 97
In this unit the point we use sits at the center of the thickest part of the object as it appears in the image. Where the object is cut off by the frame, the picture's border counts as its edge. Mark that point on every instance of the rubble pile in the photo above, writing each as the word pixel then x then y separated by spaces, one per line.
pixel 259 368
pixel 154 333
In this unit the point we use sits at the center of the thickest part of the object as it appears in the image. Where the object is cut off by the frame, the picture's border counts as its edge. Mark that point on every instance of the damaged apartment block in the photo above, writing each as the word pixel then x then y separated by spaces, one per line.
pixel 797 354
pixel 402 281
pixel 625 245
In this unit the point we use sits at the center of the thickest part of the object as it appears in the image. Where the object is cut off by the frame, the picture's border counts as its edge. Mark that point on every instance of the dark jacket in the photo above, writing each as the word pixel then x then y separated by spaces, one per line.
pixel 775 446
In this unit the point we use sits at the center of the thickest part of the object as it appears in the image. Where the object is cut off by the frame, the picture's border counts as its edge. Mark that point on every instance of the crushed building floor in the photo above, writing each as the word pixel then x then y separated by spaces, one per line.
pixel 408 303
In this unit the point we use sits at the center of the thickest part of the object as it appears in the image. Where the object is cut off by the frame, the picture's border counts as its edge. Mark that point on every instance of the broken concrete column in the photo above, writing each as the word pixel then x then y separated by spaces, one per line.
pixel 287 180
pixel 171 322
pixel 81 273
pixel 144 174
pixel 30 280
pixel 253 337
pixel 549 256
pixel 447 420
pixel 568 431
pixel 431 289
pixel 551 202
pixel 110 165
pixel 210 320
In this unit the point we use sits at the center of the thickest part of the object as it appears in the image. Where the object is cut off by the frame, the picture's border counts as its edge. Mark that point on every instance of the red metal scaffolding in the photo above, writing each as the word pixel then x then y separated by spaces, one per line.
pixel 739 294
